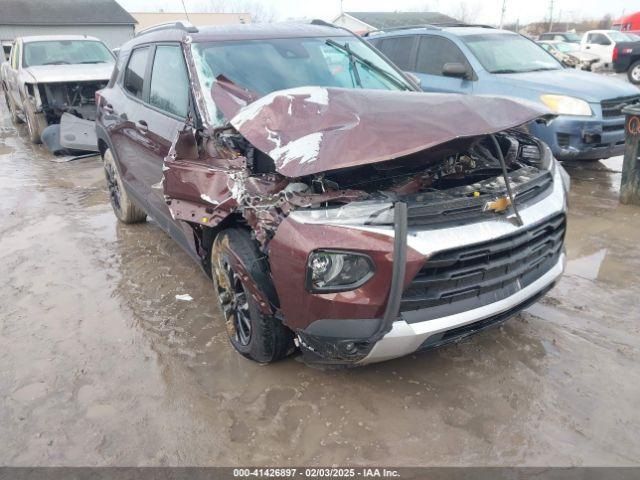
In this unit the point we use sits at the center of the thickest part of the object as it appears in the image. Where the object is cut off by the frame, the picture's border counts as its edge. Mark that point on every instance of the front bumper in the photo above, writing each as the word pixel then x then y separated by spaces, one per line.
pixel 583 138
pixel 407 337
pixel 349 339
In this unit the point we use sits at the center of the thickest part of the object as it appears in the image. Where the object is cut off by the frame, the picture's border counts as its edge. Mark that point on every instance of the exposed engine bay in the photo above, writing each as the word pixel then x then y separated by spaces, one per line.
pixel 330 152
pixel 450 183
pixel 76 98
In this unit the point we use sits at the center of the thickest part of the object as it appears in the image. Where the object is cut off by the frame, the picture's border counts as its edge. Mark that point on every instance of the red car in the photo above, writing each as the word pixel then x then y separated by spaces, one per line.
pixel 337 208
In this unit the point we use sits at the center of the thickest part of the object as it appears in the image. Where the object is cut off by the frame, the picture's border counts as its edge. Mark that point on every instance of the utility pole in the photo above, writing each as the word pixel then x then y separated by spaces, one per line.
pixel 504 9
pixel 550 14
pixel 341 9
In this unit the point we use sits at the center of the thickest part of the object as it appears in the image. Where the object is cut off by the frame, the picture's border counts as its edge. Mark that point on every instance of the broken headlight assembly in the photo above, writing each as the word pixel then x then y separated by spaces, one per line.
pixel 337 271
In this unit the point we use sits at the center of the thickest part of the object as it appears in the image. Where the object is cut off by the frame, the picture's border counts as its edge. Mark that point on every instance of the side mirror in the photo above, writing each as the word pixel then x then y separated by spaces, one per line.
pixel 454 70
pixel 414 78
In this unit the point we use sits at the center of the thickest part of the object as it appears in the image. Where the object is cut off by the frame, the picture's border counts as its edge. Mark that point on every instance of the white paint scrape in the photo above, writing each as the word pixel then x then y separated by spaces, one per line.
pixel 185 297
pixel 317 95
pixel 302 150
pixel 208 199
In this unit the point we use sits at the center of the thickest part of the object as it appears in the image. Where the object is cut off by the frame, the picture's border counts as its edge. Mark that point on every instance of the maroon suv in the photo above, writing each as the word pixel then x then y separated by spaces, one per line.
pixel 336 207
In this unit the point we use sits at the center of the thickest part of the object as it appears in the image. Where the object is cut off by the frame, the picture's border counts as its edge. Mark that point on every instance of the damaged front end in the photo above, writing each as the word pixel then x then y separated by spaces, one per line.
pixel 338 186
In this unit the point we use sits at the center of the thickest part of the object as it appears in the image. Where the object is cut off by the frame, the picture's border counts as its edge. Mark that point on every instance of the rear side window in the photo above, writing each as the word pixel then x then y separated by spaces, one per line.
pixel 169 89
pixel 135 71
pixel 398 50
pixel 434 52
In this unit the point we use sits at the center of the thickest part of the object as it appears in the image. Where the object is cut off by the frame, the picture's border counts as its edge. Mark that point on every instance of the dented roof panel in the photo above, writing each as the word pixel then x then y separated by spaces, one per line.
pixel 309 130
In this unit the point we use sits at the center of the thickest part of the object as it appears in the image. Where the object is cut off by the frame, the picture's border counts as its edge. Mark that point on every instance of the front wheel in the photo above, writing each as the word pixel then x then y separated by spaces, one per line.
pixel 36 123
pixel 634 73
pixel 258 337
pixel 123 207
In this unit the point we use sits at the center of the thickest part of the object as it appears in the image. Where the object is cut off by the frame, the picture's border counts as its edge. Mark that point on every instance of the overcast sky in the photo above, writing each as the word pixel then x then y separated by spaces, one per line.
pixel 487 11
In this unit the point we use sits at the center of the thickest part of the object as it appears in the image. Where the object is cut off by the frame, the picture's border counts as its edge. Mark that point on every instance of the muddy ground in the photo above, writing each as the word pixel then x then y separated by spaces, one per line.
pixel 101 365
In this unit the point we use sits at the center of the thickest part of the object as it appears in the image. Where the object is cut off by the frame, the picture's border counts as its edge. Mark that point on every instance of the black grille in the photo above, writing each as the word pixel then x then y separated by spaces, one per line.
pixel 614 106
pixel 470 277
pixel 441 208
pixel 613 128
pixel 564 139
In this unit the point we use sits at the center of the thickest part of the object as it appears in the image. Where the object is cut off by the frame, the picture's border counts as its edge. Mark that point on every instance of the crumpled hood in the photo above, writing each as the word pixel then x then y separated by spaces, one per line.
pixel 70 73
pixel 309 130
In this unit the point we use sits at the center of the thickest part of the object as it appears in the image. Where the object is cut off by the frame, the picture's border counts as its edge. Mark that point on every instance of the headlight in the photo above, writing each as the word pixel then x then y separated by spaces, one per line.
pixel 563 105
pixel 335 271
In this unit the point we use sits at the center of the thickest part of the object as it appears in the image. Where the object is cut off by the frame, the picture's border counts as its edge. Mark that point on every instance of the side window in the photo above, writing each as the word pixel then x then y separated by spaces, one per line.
pixel 169 81
pixel 398 50
pixel 434 52
pixel 135 71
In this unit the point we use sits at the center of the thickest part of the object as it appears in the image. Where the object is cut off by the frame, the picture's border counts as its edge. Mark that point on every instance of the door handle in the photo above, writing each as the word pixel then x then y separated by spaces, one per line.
pixel 142 126
pixel 587 47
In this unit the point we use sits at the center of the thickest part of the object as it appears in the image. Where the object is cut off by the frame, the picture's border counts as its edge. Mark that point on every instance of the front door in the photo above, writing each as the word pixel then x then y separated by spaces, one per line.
pixel 434 52
pixel 161 118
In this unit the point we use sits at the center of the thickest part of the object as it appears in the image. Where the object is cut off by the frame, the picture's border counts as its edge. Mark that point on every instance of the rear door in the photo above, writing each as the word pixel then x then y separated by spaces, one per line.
pixel 121 114
pixel 433 53
pixel 400 50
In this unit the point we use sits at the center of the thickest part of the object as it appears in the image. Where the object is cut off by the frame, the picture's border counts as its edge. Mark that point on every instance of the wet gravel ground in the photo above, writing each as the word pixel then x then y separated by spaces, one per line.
pixel 101 365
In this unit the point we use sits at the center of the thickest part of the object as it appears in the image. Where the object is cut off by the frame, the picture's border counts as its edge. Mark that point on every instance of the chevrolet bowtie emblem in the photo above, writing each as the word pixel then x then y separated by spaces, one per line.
pixel 498 205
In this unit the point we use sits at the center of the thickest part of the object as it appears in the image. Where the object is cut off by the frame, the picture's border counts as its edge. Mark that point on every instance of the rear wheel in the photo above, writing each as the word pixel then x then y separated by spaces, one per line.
pixel 123 207
pixel 634 73
pixel 257 336
pixel 12 108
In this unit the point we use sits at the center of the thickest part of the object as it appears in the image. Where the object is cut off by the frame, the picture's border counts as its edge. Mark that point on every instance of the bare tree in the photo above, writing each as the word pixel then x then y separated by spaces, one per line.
pixel 605 22
pixel 260 11
pixel 465 11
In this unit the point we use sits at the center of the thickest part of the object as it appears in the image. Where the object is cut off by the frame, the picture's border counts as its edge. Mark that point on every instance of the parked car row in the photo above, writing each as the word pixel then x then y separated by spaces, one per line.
pixel 488 61
pixel 337 208
pixel 617 49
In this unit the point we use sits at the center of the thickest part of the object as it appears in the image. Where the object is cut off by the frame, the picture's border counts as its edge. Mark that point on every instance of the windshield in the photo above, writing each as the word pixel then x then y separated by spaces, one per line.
pixel 507 53
pixel 571 37
pixel 265 66
pixel 620 37
pixel 64 52
pixel 567 47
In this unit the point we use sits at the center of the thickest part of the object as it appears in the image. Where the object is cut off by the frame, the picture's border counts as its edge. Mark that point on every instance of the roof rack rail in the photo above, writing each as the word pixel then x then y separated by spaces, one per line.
pixel 404 27
pixel 317 21
pixel 428 26
pixel 179 25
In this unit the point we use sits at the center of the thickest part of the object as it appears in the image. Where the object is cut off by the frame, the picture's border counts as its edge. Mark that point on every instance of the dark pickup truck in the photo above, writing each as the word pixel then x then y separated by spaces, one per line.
pixel 626 58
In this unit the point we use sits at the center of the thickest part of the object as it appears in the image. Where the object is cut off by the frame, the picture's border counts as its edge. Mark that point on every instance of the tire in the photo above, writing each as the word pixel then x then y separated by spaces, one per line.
pixel 36 123
pixel 12 109
pixel 633 74
pixel 258 337
pixel 123 207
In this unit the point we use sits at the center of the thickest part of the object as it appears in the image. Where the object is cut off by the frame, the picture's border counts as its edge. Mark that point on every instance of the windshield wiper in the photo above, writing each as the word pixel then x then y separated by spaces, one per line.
pixel 352 59
pixel 542 69
pixel 353 56
pixel 57 62
pixel 506 70
pixel 93 61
